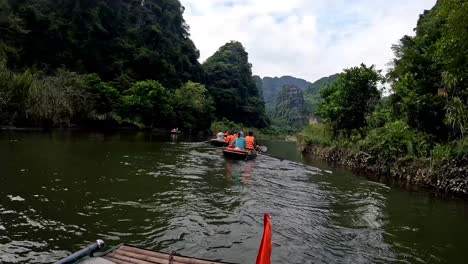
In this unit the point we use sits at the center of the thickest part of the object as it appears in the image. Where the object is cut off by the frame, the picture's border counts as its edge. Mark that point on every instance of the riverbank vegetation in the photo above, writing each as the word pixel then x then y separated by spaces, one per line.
pixel 264 133
pixel 117 63
pixel 425 117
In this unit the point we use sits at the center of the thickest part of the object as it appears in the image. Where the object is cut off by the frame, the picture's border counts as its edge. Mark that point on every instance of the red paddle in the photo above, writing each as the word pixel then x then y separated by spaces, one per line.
pixel 264 253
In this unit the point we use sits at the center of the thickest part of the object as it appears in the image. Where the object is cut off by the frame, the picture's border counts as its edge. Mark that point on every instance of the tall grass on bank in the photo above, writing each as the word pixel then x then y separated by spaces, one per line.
pixel 318 133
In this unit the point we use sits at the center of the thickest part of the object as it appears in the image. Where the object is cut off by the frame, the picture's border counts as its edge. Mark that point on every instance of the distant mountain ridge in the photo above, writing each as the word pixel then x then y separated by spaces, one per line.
pixel 320 83
pixel 289 107
pixel 271 86
pixel 290 101
pixel 312 93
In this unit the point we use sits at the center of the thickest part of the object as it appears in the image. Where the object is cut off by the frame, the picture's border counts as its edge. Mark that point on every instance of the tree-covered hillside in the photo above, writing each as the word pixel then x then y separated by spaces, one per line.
pixel 230 81
pixel 121 41
pixel 430 73
pixel 289 110
pixel 117 63
pixel 271 86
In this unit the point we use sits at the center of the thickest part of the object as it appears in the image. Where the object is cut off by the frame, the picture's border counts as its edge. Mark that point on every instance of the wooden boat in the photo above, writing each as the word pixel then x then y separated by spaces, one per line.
pixel 218 143
pixel 239 154
pixel 126 254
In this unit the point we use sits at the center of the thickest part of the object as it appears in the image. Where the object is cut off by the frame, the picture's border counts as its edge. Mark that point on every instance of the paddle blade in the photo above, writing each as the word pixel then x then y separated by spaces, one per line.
pixel 264 253
pixel 262 148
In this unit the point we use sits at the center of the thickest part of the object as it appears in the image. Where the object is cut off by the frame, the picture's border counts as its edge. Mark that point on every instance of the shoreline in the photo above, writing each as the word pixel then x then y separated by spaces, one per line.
pixel 442 177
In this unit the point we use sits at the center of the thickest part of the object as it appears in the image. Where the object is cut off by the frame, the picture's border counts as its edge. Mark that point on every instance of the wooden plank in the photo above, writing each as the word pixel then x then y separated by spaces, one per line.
pixel 128 259
pixel 118 261
pixel 141 256
pixel 183 260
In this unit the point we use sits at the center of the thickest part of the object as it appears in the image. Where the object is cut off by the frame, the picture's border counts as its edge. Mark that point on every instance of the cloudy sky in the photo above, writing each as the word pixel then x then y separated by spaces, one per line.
pixel 304 38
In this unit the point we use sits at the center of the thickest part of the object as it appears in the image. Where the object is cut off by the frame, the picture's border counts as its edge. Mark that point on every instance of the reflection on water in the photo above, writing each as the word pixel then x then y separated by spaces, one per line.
pixel 236 170
pixel 62 190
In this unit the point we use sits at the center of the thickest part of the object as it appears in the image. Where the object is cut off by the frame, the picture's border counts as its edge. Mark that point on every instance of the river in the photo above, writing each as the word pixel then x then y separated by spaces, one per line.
pixel 61 191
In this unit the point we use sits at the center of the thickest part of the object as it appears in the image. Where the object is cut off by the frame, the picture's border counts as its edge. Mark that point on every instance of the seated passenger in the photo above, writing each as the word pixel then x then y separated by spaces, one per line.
pixel 250 142
pixel 232 138
pixel 220 136
pixel 239 143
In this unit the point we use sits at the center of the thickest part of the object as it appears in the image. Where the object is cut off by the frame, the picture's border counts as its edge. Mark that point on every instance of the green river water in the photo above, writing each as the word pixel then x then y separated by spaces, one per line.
pixel 61 191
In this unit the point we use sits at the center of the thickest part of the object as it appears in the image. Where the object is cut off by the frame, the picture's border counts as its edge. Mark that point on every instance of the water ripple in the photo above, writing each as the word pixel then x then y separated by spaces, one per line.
pixel 188 197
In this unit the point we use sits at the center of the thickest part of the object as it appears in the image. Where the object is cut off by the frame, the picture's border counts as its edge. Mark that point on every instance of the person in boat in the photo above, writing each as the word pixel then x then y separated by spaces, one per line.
pixel 220 136
pixel 239 143
pixel 250 142
pixel 226 136
pixel 232 138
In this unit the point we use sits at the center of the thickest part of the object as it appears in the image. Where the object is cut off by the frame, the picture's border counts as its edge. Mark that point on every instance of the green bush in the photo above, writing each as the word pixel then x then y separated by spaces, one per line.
pixel 57 100
pixel 14 89
pixel 396 140
pixel 193 107
pixel 104 97
pixel 318 133
pixel 453 150
pixel 148 100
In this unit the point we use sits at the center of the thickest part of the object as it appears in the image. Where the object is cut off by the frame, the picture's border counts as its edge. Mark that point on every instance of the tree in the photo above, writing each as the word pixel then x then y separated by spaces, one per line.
pixel 105 98
pixel 349 101
pixel 429 74
pixel 230 82
pixel 193 107
pixel 149 101
pixel 312 92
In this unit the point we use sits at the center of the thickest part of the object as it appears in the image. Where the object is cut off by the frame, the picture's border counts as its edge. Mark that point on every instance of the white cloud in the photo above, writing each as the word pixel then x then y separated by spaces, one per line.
pixel 304 38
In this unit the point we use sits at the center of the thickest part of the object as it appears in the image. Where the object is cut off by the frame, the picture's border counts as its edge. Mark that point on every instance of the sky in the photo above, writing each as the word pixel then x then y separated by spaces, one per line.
pixel 307 39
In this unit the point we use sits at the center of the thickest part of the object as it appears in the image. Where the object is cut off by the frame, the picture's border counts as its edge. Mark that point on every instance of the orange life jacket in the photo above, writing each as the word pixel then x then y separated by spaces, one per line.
pixel 231 139
pixel 226 138
pixel 250 142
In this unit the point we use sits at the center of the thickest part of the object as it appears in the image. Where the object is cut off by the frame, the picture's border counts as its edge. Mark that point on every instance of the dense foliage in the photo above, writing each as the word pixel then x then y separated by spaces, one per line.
pixel 230 126
pixel 193 106
pixel 116 63
pixel 349 101
pixel 121 41
pixel 230 82
pixel 430 73
pixel 67 98
pixel 312 93
pixel 426 115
